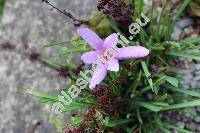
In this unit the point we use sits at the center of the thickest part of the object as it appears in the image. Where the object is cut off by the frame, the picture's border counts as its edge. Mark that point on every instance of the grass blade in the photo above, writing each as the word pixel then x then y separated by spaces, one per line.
pixel 192 40
pixel 73 106
pixel 160 20
pixel 70 51
pixel 185 91
pixel 150 106
pixel 183 105
pixel 173 81
pixel 39 93
pixel 148 75
pixel 180 130
pixel 2 4
pixel 55 44
pixel 185 54
pixel 176 17
pixel 139 116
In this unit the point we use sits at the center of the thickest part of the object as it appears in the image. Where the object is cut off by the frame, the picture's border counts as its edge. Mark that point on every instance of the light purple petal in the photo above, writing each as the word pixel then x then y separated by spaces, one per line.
pixel 132 52
pixel 113 65
pixel 89 57
pixel 98 76
pixel 111 41
pixel 91 38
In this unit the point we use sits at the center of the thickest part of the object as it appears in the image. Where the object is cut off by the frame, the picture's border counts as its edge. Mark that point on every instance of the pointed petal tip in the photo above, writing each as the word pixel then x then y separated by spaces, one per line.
pixel 111 40
pixel 143 52
pixel 132 52
pixel 90 37
pixel 146 51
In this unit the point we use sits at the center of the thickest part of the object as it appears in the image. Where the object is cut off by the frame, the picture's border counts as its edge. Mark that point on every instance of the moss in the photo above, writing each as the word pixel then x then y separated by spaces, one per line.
pixel 100 24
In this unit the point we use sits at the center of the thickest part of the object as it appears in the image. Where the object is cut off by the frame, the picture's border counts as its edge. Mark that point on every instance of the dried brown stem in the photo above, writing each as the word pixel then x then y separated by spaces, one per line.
pixel 126 70
pixel 77 22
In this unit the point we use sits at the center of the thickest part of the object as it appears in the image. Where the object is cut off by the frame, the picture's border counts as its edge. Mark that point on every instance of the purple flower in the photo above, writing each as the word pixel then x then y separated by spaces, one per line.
pixel 108 52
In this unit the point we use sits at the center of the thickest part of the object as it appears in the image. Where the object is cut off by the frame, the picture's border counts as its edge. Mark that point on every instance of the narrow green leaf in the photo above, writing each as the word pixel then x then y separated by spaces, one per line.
pixel 142 34
pixel 147 74
pixel 188 44
pixel 172 43
pixel 73 106
pixel 55 44
pixel 192 40
pixel 152 19
pixel 139 4
pixel 159 81
pixel 51 63
pixel 2 4
pixel 185 54
pixel 68 64
pixel 39 93
pixel 75 121
pixel 160 124
pixel 139 116
pixel 158 120
pixel 44 100
pixel 173 81
pixel 158 47
pixel 162 98
pixel 114 26
pixel 58 123
pixel 165 29
pixel 150 106
pixel 183 105
pixel 116 122
pixel 82 42
pixel 69 51
pixel 160 21
pixel 180 130
pixel 136 82
pixel 185 91
pixel 160 104
pixel 59 64
pixel 176 17
pixel 162 60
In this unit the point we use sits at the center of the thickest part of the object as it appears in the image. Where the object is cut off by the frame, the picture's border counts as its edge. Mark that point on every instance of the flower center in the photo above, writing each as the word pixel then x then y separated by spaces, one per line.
pixel 106 54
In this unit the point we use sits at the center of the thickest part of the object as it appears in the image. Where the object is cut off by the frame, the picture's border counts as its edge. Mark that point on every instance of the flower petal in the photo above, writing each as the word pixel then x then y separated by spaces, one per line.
pixel 132 52
pixel 91 38
pixel 98 76
pixel 89 57
pixel 113 65
pixel 111 41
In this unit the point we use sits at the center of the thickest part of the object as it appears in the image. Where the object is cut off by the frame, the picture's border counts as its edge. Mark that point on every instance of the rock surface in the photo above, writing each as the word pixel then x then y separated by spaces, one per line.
pixel 33 23
pixel 30 22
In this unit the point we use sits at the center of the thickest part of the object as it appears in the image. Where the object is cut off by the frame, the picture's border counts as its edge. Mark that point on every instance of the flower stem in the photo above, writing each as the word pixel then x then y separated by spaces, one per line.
pixel 126 70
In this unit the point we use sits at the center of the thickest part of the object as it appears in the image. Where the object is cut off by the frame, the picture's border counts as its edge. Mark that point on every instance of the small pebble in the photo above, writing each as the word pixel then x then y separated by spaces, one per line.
pixel 198 128
pixel 180 124
pixel 197 119
pixel 184 22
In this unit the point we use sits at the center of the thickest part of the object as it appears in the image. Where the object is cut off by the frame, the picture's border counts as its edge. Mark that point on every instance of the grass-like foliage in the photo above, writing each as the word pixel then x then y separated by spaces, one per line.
pixel 2 4
pixel 132 99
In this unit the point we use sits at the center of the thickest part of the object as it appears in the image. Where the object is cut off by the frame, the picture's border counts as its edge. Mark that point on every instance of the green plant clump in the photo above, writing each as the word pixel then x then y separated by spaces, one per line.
pixel 132 99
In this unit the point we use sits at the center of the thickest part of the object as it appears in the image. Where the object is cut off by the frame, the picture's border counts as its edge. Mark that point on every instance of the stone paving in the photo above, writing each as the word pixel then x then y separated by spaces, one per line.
pixel 29 21
pixel 34 23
